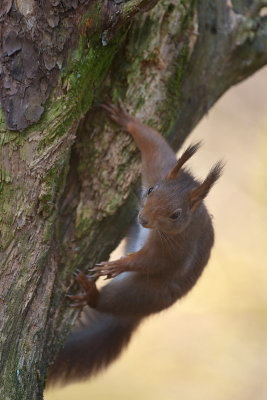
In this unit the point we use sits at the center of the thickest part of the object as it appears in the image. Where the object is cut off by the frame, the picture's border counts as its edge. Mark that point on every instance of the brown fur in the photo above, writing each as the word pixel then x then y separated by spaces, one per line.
pixel 165 269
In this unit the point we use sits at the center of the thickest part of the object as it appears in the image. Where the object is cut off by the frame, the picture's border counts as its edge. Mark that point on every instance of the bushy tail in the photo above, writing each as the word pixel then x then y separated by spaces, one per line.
pixel 92 347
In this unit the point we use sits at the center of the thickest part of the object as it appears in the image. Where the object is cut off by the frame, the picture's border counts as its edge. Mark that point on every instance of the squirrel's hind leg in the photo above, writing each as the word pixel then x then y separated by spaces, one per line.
pixel 90 294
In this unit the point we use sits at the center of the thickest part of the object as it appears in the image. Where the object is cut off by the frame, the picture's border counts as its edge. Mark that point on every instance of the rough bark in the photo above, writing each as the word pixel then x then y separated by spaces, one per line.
pixel 67 194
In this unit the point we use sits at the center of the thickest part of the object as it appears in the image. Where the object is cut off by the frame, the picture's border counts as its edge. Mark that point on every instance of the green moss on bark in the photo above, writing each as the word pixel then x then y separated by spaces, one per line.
pixel 85 70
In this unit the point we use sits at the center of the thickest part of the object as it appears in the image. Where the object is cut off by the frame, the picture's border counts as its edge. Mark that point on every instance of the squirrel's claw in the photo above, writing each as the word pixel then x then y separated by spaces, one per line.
pixel 110 108
pixel 76 296
pixel 108 269
pixel 76 272
pixel 122 107
pixel 79 300
pixel 106 107
pixel 78 305
pixel 96 275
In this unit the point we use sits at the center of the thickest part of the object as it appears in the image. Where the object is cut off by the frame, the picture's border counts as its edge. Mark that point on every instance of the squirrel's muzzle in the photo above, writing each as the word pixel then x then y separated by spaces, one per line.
pixel 142 220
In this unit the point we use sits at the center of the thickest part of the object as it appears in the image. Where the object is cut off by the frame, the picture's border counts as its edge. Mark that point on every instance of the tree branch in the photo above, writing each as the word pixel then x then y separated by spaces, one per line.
pixel 230 47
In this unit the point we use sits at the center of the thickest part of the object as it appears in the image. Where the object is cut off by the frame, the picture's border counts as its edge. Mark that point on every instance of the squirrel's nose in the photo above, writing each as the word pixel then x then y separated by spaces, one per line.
pixel 143 221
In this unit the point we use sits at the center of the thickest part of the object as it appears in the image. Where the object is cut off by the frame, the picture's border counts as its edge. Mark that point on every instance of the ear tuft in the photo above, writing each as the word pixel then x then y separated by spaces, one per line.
pixel 188 153
pixel 198 194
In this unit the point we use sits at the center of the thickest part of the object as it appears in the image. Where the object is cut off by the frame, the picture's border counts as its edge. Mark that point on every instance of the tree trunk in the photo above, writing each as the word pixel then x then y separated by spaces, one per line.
pixel 67 193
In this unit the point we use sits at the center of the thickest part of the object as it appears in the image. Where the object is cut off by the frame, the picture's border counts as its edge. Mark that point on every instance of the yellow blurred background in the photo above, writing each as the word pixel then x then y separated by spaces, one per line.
pixel 211 345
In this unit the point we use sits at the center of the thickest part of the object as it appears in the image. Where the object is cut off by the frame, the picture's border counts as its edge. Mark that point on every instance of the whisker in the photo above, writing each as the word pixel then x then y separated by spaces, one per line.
pixel 165 242
pixel 171 242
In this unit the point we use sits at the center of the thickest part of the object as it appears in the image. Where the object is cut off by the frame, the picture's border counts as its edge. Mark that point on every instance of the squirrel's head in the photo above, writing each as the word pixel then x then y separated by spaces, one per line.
pixel 169 205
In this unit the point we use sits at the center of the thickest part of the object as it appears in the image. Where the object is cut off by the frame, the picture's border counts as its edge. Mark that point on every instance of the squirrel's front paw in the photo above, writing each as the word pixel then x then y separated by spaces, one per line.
pixel 117 114
pixel 90 294
pixel 109 269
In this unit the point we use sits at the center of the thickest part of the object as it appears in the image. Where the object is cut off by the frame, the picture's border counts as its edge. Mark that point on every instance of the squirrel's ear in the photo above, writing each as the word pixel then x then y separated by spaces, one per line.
pixel 188 153
pixel 198 194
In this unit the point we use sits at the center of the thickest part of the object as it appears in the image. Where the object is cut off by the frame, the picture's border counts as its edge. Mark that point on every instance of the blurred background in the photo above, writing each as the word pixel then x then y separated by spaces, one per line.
pixel 211 345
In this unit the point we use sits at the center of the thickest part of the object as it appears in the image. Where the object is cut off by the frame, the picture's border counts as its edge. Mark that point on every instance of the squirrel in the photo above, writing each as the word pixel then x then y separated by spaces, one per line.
pixel 153 278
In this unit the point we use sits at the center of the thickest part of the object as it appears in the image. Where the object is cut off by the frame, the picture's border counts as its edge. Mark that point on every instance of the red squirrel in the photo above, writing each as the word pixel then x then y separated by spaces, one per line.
pixel 149 280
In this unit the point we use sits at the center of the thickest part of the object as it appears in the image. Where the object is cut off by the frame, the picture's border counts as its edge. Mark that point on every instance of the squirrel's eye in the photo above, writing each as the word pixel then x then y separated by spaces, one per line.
pixel 149 190
pixel 176 214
